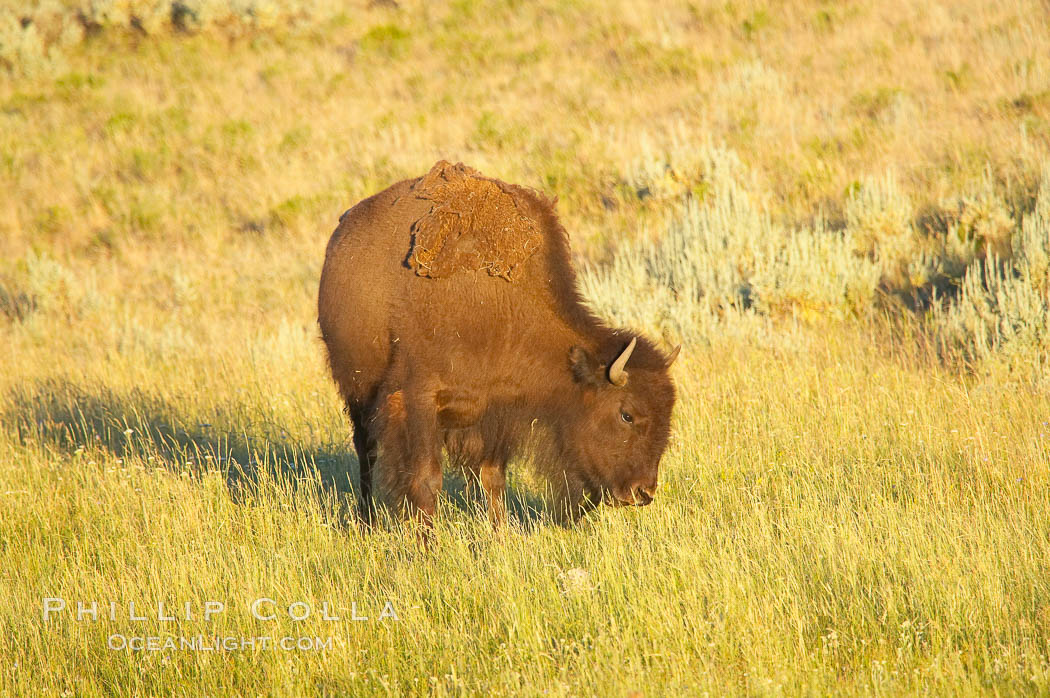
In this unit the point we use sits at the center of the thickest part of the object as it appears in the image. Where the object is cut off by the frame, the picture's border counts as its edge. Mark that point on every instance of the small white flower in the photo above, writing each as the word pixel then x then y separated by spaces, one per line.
pixel 575 581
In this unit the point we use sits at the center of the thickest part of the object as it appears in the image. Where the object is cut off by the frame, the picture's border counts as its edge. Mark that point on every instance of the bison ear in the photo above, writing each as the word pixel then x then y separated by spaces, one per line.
pixel 585 369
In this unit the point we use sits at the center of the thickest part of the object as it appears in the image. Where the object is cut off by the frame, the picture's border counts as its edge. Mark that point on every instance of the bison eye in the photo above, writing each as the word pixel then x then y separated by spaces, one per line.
pixel 626 417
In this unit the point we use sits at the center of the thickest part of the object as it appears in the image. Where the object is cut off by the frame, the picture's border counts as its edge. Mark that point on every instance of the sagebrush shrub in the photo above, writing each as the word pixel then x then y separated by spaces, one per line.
pixel 721 259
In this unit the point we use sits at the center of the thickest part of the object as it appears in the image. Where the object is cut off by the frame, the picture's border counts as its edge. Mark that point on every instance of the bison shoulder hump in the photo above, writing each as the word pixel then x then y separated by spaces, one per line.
pixel 474 224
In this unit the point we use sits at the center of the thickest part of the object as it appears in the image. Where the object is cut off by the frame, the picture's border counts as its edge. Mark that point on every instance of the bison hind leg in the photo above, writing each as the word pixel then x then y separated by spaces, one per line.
pixel 366 447
pixel 493 477
pixel 487 480
pixel 464 450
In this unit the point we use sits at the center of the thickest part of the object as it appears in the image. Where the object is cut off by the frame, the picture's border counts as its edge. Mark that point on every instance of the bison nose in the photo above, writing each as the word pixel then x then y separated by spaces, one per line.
pixel 644 495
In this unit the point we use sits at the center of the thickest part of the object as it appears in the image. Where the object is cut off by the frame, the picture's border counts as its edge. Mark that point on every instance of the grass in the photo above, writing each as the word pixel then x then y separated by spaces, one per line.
pixel 843 211
pixel 832 519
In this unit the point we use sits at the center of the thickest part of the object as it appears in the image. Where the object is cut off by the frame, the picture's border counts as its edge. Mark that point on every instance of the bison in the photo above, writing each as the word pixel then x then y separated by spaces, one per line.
pixel 452 320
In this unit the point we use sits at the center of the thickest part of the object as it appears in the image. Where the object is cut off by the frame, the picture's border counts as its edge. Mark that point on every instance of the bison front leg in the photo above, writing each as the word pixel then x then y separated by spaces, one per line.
pixel 424 484
pixel 413 471
pixel 408 473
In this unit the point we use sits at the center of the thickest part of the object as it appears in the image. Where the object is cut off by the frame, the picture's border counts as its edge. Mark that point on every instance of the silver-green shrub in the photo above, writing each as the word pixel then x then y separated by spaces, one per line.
pixel 34 35
pixel 723 260
pixel 1002 312
pixel 721 264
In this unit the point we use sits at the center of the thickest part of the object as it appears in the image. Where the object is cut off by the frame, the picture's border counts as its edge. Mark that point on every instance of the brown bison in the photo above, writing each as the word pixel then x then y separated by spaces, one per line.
pixel 449 307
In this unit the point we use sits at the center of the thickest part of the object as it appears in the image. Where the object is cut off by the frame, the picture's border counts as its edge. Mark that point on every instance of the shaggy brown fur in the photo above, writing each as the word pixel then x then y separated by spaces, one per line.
pixel 474 224
pixel 433 350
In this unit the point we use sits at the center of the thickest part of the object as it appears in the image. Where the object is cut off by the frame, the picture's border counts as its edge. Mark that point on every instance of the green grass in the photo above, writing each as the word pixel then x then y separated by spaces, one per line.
pixel 831 519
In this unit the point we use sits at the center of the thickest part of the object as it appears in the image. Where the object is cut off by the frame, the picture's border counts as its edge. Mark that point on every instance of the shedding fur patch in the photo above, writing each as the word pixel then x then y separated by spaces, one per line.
pixel 475 224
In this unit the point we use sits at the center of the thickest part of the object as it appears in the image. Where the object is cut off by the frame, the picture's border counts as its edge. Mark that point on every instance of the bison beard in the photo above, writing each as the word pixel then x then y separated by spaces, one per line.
pixel 449 308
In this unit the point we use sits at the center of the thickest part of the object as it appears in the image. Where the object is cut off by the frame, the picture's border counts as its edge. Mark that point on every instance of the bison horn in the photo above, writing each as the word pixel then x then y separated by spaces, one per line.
pixel 673 355
pixel 618 376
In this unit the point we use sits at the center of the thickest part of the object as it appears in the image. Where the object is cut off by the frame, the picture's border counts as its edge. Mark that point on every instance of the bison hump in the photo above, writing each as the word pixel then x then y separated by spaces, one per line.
pixel 474 224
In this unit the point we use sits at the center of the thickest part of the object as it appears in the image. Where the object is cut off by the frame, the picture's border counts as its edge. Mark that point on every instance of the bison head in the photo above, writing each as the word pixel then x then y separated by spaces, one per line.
pixel 620 422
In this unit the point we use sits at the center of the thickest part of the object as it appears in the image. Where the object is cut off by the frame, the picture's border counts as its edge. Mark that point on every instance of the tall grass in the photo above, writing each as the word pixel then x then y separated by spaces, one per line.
pixel 831 519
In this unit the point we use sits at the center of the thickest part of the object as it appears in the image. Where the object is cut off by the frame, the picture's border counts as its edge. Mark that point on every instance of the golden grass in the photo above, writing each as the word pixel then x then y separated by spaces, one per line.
pixel 831 519
pixel 843 509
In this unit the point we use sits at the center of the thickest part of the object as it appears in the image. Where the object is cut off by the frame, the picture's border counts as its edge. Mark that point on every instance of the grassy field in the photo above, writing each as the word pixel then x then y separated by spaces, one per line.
pixel 842 210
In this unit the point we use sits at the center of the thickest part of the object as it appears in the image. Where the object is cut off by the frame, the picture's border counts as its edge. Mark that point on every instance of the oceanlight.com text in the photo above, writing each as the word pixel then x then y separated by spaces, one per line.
pixel 218 643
